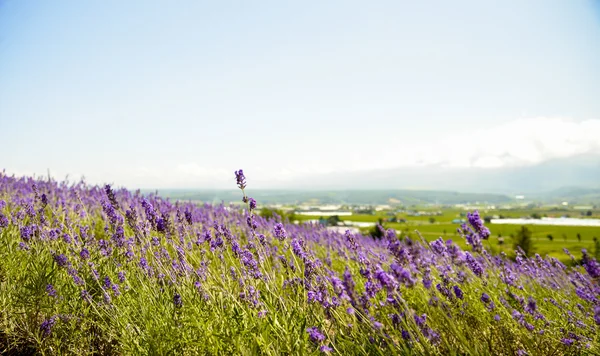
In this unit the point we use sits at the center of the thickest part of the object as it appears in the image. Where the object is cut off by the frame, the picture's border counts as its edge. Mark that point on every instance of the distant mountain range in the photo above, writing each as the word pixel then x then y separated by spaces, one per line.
pixel 575 179
pixel 321 197
pixel 582 172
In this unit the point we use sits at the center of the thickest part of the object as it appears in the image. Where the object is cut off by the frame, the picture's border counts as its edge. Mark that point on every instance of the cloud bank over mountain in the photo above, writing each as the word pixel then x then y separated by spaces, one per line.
pixel 523 154
pixel 516 143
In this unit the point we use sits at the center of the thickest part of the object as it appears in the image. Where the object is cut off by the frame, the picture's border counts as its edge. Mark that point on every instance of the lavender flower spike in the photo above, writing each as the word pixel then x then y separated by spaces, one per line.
pixel 240 179
pixel 315 335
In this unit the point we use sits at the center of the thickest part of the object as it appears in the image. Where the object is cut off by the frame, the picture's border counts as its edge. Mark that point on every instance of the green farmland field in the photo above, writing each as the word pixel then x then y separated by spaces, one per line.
pixel 563 236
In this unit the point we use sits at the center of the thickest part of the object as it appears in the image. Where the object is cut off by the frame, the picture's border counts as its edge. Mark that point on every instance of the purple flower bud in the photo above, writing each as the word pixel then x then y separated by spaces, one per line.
pixel 252 203
pixel 531 306
pixel 177 301
pixel 3 221
pixel 325 349
pixel 567 342
pixel 485 298
pixel 61 260
pixel 315 335
pixel 84 254
pixel 26 233
pixel 47 325
pixel 458 292
pixel 50 290
pixel 420 320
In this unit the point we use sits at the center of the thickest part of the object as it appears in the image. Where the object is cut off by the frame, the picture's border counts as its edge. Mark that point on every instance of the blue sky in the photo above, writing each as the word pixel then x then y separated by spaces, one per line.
pixel 155 94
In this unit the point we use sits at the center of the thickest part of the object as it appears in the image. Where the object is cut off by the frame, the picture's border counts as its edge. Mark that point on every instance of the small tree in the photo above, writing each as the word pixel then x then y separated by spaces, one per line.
pixel 431 220
pixel 333 220
pixel 564 237
pixel 589 213
pixel 579 237
pixel 550 237
pixel 523 240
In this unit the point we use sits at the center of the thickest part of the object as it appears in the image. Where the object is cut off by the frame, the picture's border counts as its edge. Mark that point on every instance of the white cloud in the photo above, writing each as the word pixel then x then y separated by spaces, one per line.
pixel 520 142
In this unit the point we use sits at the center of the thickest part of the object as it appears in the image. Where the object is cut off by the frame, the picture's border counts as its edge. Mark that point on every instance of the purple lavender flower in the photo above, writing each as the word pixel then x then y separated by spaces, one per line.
pixel 162 225
pixel 325 349
pixel 177 301
pixel 251 222
pixel 115 289
pixel 427 282
pixel 420 320
pixel 85 295
pixel 111 196
pixel 531 306
pixel 473 264
pixel 76 279
pixel 84 254
pixel 50 290
pixel 3 221
pixel 44 199
pixel 590 264
pixel 47 325
pixel 26 233
pixel 350 238
pixel 567 341
pixel 438 246
pixel 485 298
pixel 110 212
pixel 188 217
pixel 107 282
pixel 280 232
pixel 252 203
pixel 315 335
pixel 61 260
pixel 477 223
pixel 458 292
pixel 144 264
pixel 150 212
pixel 385 279
pixel 240 179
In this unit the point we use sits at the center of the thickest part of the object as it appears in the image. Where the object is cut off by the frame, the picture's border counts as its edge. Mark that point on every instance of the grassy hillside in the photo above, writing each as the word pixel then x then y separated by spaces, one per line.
pixel 90 270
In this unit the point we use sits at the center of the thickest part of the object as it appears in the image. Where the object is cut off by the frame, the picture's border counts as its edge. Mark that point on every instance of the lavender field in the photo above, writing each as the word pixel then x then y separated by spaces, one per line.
pixel 94 270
